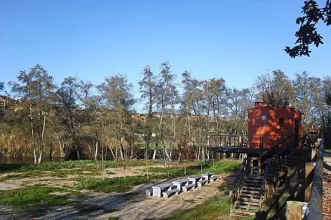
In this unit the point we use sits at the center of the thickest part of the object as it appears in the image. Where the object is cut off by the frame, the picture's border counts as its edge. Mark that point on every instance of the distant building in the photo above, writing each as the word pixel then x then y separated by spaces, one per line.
pixel 6 101
pixel 3 103
pixel 138 116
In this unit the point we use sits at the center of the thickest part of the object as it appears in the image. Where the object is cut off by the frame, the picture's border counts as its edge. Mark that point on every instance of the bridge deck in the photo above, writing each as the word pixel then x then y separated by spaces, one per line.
pixel 236 149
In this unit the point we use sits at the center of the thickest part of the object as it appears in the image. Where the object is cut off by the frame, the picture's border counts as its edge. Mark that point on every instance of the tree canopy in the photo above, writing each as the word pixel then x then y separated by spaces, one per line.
pixel 1 86
pixel 78 120
pixel 307 34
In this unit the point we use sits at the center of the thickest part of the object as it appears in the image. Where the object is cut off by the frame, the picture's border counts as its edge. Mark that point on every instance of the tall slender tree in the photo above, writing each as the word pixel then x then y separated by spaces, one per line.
pixel 148 92
pixel 117 96
pixel 35 89
pixel 68 111
pixel 167 98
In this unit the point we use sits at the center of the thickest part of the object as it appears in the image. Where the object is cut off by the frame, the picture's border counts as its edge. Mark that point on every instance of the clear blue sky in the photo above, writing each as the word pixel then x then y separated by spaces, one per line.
pixel 93 39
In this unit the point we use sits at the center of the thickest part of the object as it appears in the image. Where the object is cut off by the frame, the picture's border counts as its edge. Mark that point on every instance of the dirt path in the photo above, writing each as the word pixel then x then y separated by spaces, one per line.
pixel 156 208
pixel 135 205
pixel 327 185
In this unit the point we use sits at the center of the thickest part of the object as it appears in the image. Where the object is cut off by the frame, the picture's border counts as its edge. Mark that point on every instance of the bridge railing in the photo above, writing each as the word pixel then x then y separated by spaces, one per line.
pixel 311 207
pixel 315 209
pixel 244 140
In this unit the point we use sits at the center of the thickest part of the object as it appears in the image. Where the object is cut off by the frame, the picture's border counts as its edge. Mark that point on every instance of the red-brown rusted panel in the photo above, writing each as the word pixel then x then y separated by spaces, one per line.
pixel 272 124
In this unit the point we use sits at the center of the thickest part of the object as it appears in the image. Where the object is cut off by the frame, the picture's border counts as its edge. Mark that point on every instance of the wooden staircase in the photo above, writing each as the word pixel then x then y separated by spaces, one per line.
pixel 256 181
pixel 249 192
pixel 249 198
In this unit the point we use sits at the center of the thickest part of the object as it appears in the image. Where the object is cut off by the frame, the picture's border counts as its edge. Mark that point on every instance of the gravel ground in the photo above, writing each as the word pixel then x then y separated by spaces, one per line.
pixel 327 185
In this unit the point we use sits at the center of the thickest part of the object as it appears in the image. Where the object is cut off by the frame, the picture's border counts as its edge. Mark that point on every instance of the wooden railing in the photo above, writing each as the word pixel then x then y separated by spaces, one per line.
pixel 276 147
pixel 244 140
pixel 267 165
pixel 315 201
pixel 242 172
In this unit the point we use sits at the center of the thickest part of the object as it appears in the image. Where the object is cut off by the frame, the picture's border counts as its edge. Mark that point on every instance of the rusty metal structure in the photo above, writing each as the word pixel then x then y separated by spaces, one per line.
pixel 274 153
pixel 267 127
pixel 274 123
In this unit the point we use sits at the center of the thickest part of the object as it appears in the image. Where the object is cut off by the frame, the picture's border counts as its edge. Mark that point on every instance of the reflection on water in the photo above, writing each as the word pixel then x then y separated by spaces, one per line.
pixel 25 160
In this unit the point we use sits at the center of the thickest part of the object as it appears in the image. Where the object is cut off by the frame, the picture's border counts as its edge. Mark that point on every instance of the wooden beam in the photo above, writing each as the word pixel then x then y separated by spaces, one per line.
pixel 315 202
pixel 309 175
pixel 294 210
pixel 313 154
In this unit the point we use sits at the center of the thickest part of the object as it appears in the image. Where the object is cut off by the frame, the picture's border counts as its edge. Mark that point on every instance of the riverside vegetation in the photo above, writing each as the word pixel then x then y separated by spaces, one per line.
pixel 168 119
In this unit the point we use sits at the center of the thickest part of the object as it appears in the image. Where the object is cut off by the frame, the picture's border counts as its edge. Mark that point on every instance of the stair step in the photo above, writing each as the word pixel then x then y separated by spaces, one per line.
pixel 252 185
pixel 242 199
pixel 254 177
pixel 253 181
pixel 241 213
pixel 251 188
pixel 249 192
pixel 250 196
pixel 244 206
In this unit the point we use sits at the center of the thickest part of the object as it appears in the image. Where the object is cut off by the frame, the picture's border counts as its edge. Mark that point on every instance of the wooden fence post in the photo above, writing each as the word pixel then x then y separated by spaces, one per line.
pixel 313 154
pixel 294 210
pixel 309 174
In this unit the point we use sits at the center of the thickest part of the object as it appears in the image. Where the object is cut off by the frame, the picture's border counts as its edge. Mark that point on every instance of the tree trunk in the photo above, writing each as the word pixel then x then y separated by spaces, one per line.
pixel 122 153
pixel 41 147
pixel 96 150
pixel 32 133
pixel 78 154
pixel 146 150
pixel 34 156
pixel 40 157
pixel 155 150
pixel 112 153
pixel 51 152
pixel 116 153
pixel 167 156
pixel 62 148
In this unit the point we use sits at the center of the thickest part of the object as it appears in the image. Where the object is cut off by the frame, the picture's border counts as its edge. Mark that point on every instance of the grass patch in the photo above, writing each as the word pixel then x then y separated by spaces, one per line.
pixel 62 173
pixel 217 167
pixel 91 167
pixel 118 184
pixel 64 168
pixel 87 165
pixel 216 208
pixel 35 199
pixel 21 175
pixel 121 184
pixel 224 166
